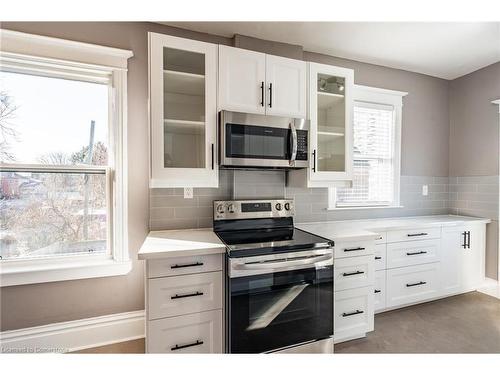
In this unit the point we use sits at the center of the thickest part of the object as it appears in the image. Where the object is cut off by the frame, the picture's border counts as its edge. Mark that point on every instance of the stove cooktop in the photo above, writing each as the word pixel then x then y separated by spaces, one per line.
pixel 243 243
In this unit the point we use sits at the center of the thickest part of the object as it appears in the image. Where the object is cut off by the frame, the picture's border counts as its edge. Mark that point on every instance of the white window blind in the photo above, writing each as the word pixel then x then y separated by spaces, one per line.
pixel 373 156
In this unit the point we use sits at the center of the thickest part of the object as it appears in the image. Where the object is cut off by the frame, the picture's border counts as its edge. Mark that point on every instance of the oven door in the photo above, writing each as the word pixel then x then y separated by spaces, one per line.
pixel 277 309
pixel 249 140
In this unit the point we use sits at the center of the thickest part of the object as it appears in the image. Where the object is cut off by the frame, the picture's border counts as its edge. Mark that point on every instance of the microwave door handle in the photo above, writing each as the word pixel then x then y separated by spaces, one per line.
pixel 293 132
pixel 284 263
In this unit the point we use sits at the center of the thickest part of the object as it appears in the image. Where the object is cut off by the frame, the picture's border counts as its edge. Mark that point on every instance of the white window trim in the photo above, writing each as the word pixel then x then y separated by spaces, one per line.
pixel 385 97
pixel 76 58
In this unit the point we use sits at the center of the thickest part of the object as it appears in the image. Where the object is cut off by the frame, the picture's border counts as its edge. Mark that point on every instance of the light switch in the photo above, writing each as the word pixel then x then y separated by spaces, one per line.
pixel 188 193
pixel 425 190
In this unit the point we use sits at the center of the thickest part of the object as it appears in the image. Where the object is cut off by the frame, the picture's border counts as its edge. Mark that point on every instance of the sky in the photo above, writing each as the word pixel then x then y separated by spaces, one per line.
pixel 54 115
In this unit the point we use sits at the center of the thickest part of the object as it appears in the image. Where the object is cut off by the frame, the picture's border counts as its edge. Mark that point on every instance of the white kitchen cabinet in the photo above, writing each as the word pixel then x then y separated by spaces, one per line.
pixel 242 80
pixel 462 253
pixel 354 272
pixel 410 253
pixel 183 112
pixel 330 107
pixel 353 315
pixel 286 87
pixel 380 290
pixel 254 82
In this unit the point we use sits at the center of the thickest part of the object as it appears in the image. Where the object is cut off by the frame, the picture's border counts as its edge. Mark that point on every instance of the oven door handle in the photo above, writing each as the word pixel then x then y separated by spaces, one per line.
pixel 293 132
pixel 284 263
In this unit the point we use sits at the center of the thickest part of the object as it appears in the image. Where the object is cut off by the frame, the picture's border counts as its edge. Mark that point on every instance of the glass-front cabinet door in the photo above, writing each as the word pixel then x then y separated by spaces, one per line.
pixel 183 112
pixel 330 113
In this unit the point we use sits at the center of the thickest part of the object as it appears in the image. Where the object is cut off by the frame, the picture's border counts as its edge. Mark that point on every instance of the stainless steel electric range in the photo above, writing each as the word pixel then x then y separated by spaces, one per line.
pixel 279 292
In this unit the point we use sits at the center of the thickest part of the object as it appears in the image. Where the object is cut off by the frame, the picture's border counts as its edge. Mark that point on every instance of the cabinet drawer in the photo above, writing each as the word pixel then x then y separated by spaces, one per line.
pixel 353 248
pixel 194 333
pixel 403 254
pixel 414 234
pixel 171 296
pixel 382 239
pixel 380 257
pixel 412 284
pixel 353 315
pixel 184 265
pixel 380 290
pixel 354 272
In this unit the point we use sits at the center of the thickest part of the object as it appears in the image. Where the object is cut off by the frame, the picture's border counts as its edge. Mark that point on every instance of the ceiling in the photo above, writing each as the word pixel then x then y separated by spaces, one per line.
pixel 440 49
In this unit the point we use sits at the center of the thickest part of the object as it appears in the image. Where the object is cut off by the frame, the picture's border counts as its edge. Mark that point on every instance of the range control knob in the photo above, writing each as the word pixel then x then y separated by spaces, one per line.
pixel 278 206
pixel 287 206
pixel 220 208
pixel 230 208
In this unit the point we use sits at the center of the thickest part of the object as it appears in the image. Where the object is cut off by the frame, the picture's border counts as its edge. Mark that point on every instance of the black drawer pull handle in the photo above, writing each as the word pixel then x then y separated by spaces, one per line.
pixel 177 347
pixel 353 273
pixel 186 265
pixel 353 313
pixel 177 296
pixel 378 258
pixel 416 284
pixel 417 253
pixel 417 234
pixel 377 290
pixel 355 249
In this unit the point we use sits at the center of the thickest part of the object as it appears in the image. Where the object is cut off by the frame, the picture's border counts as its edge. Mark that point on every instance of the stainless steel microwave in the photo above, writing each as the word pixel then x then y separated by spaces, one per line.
pixel 260 141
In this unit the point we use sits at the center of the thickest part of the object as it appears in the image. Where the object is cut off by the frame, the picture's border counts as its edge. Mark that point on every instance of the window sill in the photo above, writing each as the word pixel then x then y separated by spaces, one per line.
pixel 35 272
pixel 361 208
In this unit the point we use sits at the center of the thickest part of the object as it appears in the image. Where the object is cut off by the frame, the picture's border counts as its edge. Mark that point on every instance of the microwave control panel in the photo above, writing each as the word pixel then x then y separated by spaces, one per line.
pixel 301 145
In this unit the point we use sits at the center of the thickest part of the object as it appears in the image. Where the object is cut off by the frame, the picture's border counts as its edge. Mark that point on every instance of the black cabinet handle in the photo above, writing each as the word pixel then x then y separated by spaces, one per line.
pixel 314 161
pixel 353 313
pixel 177 347
pixel 378 258
pixel 464 245
pixel 417 253
pixel 355 249
pixel 197 264
pixel 212 156
pixel 177 296
pixel 262 93
pixel 353 273
pixel 417 234
pixel 416 284
pixel 377 290
pixel 468 239
pixel 270 95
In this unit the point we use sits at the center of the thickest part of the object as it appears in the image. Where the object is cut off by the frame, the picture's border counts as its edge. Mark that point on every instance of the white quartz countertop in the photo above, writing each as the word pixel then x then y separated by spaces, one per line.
pixel 355 230
pixel 186 242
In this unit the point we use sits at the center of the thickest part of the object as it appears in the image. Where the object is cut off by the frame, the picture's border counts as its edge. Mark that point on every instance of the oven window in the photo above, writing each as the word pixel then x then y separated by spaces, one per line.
pixel 271 311
pixel 257 142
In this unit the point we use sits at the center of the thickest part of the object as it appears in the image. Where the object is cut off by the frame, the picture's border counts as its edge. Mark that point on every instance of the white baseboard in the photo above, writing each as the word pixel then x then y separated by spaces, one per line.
pixel 75 335
pixel 490 287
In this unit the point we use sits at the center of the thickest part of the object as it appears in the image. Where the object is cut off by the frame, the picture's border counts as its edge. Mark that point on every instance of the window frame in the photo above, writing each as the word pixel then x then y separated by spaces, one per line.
pixel 383 97
pixel 91 63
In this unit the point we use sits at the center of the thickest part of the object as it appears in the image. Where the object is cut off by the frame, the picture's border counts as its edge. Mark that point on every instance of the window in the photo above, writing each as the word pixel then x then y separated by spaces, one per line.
pixel 61 171
pixel 376 153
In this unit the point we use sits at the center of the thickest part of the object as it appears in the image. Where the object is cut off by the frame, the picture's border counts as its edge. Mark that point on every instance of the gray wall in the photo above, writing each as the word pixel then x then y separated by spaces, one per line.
pixel 424 159
pixel 474 152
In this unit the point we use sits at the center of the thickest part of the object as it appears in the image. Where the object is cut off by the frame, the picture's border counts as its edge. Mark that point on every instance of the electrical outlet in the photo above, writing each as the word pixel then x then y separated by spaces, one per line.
pixel 188 193
pixel 425 190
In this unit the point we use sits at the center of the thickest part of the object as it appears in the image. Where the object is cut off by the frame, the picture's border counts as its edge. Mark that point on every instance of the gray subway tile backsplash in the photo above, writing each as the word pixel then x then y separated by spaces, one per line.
pixel 476 196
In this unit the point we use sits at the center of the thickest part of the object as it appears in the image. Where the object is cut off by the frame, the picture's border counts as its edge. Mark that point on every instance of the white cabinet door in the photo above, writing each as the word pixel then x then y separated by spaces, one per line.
pixel 353 315
pixel 286 87
pixel 354 272
pixel 330 111
pixel 242 80
pixel 463 258
pixel 183 112
pixel 379 290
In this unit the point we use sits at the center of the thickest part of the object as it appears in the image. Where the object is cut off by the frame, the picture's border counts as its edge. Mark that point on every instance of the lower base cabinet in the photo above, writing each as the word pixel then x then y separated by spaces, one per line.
pixel 353 313
pixel 412 284
pixel 193 333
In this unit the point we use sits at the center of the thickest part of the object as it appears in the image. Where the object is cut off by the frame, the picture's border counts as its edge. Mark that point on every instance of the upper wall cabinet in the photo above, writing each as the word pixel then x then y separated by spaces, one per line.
pixel 331 131
pixel 254 82
pixel 183 113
